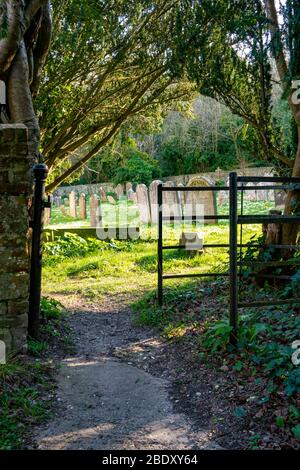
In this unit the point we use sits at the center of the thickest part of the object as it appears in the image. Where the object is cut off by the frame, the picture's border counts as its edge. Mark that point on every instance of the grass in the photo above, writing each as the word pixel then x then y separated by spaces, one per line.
pixel 27 382
pixel 25 397
pixel 132 268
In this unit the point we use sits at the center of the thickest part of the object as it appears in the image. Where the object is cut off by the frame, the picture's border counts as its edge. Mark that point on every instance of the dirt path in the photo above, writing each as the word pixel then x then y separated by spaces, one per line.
pixel 104 401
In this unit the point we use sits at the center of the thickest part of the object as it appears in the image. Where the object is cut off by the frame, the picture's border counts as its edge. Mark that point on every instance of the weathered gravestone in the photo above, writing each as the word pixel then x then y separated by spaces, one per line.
pixel 196 199
pixel 111 200
pixel 63 210
pixel 262 194
pixel 95 211
pixel 222 197
pixel 153 200
pixel 103 196
pixel 47 215
pixel 143 203
pixel 57 201
pixel 251 194
pixel 82 206
pixel 119 190
pixel 131 195
pixel 280 196
pixel 128 187
pixel 171 203
pixel 72 201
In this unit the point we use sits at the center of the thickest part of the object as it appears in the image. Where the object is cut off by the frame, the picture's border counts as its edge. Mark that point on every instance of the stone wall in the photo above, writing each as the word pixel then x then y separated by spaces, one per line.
pixel 15 196
pixel 221 175
pixel 217 175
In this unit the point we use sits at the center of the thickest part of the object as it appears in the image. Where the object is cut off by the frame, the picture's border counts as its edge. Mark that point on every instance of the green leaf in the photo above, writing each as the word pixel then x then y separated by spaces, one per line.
pixel 296 431
pixel 239 412
pixel 280 421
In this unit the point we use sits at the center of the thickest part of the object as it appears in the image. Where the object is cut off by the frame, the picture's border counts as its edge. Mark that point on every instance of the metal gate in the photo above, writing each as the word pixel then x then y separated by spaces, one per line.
pixel 236 185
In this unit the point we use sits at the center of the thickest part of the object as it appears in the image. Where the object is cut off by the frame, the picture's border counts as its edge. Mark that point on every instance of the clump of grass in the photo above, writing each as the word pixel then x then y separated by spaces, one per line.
pixel 23 387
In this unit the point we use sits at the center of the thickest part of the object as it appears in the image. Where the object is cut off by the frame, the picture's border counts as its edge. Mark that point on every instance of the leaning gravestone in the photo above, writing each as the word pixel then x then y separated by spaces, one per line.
pixel 95 212
pixel 82 206
pixel 143 203
pixel 153 200
pixel 111 200
pixel 206 199
pixel 73 208
pixel 171 203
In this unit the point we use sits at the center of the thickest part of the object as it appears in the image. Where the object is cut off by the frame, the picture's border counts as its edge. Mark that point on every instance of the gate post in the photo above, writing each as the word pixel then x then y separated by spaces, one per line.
pixel 233 256
pixel 40 174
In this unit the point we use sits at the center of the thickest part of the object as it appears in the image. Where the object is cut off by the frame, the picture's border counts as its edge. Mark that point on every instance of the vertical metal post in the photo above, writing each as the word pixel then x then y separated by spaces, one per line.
pixel 233 257
pixel 159 247
pixel 40 174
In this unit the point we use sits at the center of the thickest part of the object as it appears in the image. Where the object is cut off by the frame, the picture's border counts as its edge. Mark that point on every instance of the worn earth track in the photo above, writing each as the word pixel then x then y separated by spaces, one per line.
pixel 105 400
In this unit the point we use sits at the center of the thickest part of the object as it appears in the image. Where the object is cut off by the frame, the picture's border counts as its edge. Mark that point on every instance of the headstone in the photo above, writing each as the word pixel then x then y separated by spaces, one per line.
pixel 171 204
pixel 47 215
pixel 111 200
pixel 261 193
pixel 181 196
pixel 102 193
pixel 280 196
pixel 251 194
pixel 204 198
pixel 143 203
pixel 130 195
pixel 82 206
pixel 119 190
pixel 63 210
pixel 95 211
pixel 153 200
pixel 73 208
pixel 223 197
pixel 193 242
pixel 57 201
pixel 128 187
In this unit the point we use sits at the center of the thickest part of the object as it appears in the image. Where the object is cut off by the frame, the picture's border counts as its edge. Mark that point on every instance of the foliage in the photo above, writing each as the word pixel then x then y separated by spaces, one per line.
pixel 71 245
pixel 107 66
pixel 227 48
pixel 138 167
pixel 23 386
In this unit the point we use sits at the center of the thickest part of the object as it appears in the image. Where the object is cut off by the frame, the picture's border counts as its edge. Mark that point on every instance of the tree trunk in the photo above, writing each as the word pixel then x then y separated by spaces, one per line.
pixel 292 204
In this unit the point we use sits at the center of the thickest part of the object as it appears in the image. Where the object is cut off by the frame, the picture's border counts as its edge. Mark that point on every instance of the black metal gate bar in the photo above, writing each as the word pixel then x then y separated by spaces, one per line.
pixel 260 219
pixel 267 179
pixel 190 218
pixel 160 246
pixel 177 276
pixel 233 304
pixel 40 174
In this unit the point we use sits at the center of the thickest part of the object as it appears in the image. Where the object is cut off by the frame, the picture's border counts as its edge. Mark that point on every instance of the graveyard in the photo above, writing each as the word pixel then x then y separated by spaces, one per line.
pixel 149 232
